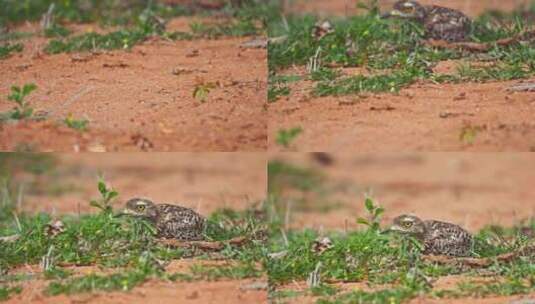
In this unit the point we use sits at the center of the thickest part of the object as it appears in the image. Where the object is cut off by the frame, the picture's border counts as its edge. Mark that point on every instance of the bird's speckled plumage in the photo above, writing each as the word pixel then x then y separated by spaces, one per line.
pixel 438 238
pixel 440 23
pixel 171 221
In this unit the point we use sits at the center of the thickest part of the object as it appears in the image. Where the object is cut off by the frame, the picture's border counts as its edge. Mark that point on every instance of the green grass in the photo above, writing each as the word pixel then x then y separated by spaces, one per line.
pixel 285 137
pixel 393 52
pixel 77 124
pixel 7 49
pixel 125 245
pixel 392 265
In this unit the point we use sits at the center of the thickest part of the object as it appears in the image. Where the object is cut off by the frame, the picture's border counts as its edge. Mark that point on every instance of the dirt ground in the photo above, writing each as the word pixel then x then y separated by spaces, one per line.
pixel 141 99
pixel 422 117
pixel 153 291
pixel 472 190
pixel 203 181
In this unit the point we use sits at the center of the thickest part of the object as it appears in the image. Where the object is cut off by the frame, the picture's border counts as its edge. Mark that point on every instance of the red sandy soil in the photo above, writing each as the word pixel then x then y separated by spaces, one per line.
pixel 469 189
pixel 443 283
pixel 141 99
pixel 422 117
pixel 203 181
pixel 472 190
pixel 348 7
pixel 154 291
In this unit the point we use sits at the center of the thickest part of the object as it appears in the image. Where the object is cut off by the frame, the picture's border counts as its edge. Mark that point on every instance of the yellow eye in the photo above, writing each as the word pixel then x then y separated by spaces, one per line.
pixel 140 208
pixel 407 224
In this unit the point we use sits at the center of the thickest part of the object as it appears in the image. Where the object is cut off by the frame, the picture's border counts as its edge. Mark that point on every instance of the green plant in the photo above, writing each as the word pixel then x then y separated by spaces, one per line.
pixel 77 124
pixel 202 90
pixel 107 195
pixel 7 49
pixel 285 137
pixel 18 95
pixel 373 222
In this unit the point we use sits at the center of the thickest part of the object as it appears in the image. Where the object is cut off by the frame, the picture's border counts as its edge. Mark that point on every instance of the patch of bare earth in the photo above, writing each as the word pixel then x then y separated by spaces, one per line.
pixel 203 181
pixel 422 117
pixel 470 190
pixel 153 291
pixel 142 99
pixel 442 283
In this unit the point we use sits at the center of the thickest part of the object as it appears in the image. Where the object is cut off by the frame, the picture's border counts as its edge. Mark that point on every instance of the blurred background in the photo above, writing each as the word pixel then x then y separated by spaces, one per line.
pixel 65 183
pixel 472 8
pixel 318 190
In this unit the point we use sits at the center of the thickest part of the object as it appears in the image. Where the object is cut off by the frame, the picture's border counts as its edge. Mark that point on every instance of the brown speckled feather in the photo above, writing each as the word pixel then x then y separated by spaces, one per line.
pixel 441 238
pixel 179 223
pixel 446 24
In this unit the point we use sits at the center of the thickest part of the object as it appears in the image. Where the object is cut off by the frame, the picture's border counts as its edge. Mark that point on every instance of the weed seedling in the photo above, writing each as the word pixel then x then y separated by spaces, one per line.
pixel 7 49
pixel 285 137
pixel 107 195
pixel 77 124
pixel 18 95
pixel 202 90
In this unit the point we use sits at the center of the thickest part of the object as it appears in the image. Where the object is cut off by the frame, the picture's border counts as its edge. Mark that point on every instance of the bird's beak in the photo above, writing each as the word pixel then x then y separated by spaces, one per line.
pixel 393 13
pixel 125 212
pixel 386 15
pixel 386 231
pixel 393 228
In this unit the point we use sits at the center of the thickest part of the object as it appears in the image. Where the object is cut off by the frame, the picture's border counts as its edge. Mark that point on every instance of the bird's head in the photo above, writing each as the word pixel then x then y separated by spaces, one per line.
pixel 409 225
pixel 407 9
pixel 140 207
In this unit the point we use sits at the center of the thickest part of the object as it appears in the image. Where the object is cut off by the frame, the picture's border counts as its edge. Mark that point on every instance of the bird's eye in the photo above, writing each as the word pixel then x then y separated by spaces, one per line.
pixel 140 208
pixel 407 224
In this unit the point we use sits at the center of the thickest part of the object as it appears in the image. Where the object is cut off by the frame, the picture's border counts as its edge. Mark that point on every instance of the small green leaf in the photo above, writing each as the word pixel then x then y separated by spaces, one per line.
pixel 102 188
pixel 369 204
pixel 94 203
pixel 28 88
pixel 379 211
pixel 363 221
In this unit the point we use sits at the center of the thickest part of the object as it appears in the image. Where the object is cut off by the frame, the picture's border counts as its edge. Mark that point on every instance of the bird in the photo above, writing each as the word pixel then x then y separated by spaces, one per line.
pixel 440 23
pixel 438 238
pixel 171 221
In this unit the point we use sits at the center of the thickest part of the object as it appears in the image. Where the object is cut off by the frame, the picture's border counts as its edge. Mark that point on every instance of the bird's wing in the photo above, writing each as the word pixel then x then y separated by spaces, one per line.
pixel 446 233
pixel 447 18
pixel 177 217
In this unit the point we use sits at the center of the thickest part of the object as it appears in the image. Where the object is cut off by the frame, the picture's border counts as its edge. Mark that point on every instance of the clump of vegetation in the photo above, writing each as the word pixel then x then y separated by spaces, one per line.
pixel 202 90
pixel 22 109
pixel 285 137
pixel 278 86
pixel 7 49
pixel 77 124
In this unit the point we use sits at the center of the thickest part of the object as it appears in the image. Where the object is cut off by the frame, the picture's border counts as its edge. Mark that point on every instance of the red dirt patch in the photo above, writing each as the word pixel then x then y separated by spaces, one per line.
pixel 203 181
pixel 143 99
pixel 422 117
pixel 152 291
pixel 470 190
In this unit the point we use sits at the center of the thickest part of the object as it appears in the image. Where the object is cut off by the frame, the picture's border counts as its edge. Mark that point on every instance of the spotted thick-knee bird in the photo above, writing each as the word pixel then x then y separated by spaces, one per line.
pixel 438 238
pixel 440 23
pixel 171 221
